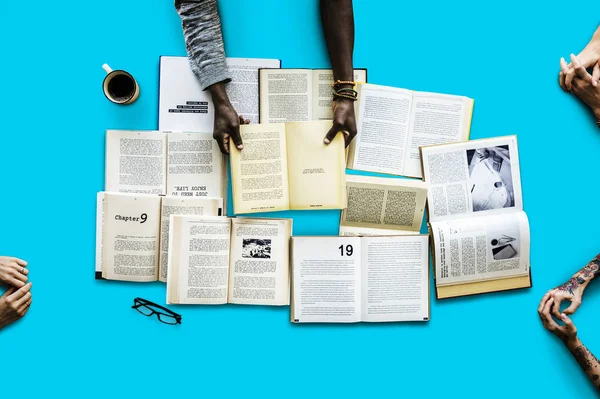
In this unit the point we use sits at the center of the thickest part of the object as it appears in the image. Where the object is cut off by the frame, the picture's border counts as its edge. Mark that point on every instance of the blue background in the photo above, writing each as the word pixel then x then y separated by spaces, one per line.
pixel 82 339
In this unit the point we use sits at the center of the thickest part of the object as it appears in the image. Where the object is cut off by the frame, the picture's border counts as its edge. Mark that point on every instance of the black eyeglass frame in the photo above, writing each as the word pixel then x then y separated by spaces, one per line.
pixel 141 302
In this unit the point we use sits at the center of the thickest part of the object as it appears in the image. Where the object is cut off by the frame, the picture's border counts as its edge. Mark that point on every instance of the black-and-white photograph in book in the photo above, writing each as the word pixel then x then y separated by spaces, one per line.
pixel 256 248
pixel 504 242
pixel 490 178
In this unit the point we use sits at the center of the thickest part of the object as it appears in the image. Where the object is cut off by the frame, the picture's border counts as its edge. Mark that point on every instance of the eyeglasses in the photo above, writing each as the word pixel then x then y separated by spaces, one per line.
pixel 148 308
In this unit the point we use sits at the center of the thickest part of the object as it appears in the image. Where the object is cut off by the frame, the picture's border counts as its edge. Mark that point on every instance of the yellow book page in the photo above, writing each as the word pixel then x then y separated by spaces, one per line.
pixel 316 171
pixel 259 172
pixel 482 287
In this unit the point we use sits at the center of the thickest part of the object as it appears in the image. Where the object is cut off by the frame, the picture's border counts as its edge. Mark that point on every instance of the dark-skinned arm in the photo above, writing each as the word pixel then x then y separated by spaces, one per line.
pixel 337 19
pixel 204 43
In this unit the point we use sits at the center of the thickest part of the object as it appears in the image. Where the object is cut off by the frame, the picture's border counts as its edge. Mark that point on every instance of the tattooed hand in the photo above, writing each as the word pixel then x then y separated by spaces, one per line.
pixel 573 289
pixel 568 332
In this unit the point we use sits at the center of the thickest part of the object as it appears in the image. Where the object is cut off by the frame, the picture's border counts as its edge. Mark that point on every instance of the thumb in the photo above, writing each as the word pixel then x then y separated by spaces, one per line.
pixel 568 323
pixel 9 291
pixel 236 137
pixel 572 308
pixel 596 74
pixel 331 134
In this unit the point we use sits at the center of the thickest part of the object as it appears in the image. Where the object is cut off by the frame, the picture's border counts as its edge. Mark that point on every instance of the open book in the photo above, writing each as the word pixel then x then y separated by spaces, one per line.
pixel 354 279
pixel 185 107
pixel 132 233
pixel 393 123
pixel 295 95
pixel 480 234
pixel 379 206
pixel 216 260
pixel 287 166
pixel 175 164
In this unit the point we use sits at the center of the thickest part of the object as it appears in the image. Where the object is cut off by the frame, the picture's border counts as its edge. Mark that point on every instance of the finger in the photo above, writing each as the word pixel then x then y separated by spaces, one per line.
pixel 572 307
pixel 16 283
pixel 236 137
pixel 8 292
pixel 221 142
pixel 19 275
pixel 580 69
pixel 226 143
pixel 596 74
pixel 335 129
pixel 20 262
pixel 543 302
pixel 241 118
pixel 247 121
pixel 564 70
pixel 568 323
pixel 556 308
pixel 561 80
pixel 569 74
pixel 548 320
pixel 25 309
pixel 20 292
pixel 23 300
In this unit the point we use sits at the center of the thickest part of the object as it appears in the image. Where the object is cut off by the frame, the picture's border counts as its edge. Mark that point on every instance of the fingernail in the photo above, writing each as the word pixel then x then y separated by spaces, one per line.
pixel 563 316
pixel 240 146
pixel 326 141
pixel 595 82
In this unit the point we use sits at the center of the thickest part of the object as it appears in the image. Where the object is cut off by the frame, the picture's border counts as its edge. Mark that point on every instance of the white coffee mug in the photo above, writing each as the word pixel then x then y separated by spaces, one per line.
pixel 119 86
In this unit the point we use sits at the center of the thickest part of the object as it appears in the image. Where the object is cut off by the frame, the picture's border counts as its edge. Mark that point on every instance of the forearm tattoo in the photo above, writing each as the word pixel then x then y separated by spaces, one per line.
pixel 588 363
pixel 589 272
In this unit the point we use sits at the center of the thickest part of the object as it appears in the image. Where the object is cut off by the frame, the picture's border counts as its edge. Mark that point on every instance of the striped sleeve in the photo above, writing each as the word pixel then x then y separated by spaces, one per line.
pixel 203 40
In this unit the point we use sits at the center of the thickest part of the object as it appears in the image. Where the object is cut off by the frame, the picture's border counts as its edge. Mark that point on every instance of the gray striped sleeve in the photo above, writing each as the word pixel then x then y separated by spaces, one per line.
pixel 203 40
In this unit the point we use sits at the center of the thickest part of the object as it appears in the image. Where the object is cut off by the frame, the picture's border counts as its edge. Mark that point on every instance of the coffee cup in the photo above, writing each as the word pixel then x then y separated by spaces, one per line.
pixel 119 86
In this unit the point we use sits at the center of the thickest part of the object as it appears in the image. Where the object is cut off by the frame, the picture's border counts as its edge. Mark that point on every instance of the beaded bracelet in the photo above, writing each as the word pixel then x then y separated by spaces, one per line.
pixel 337 95
pixel 343 82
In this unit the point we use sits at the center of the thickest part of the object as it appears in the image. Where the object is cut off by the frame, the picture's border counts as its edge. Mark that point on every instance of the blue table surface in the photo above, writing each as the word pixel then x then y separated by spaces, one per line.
pixel 82 339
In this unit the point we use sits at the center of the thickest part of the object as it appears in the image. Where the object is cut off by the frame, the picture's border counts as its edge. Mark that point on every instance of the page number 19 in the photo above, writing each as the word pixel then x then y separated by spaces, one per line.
pixel 349 250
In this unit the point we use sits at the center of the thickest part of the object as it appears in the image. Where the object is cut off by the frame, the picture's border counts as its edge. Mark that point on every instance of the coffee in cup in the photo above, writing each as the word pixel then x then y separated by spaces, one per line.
pixel 119 86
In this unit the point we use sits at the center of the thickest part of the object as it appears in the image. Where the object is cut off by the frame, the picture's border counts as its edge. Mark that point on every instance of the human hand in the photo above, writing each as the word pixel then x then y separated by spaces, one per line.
pixel 13 271
pixel 343 120
pixel 571 291
pixel 14 303
pixel 227 122
pixel 567 333
pixel 584 85
pixel 588 58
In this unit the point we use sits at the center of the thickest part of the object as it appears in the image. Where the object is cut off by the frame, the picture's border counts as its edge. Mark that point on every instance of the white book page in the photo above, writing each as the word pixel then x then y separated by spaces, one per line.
pixel 349 231
pixel 135 162
pixel 481 248
pixel 322 91
pixel 259 261
pixel 435 119
pixel 199 259
pixel 183 105
pixel 384 203
pixel 285 95
pixel 326 279
pixel 182 206
pixel 395 278
pixel 195 166
pixel 383 117
pixel 477 177
pixel 99 232
pixel 131 237
pixel 243 88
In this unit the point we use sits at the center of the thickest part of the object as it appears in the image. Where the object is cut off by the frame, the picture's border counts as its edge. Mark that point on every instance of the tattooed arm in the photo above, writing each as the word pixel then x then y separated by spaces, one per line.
pixel 568 334
pixel 573 289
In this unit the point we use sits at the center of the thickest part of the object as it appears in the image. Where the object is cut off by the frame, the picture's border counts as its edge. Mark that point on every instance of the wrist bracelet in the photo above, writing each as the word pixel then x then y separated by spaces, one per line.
pixel 343 82
pixel 337 95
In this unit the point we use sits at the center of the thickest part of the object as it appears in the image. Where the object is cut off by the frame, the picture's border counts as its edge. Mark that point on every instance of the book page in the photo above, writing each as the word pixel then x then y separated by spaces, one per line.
pixel 285 95
pixel 198 270
pixel 182 206
pixel 435 119
pixel 383 117
pixel 326 280
pixel 135 162
pixel 349 231
pixel 322 91
pixel 99 233
pixel 131 237
pixel 195 166
pixel 384 203
pixel 395 278
pixel 183 105
pixel 243 88
pixel 473 177
pixel 479 248
pixel 316 171
pixel 259 175
pixel 259 261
